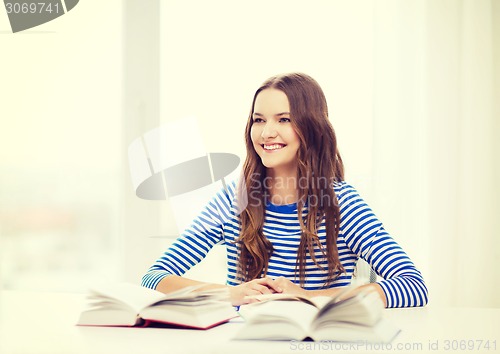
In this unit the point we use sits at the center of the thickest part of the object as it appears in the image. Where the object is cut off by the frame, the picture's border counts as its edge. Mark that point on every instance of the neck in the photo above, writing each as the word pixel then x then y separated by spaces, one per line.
pixel 282 187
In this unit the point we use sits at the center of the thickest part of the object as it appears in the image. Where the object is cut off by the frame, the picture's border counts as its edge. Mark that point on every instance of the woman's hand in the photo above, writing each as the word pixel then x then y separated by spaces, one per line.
pixel 290 288
pixel 253 287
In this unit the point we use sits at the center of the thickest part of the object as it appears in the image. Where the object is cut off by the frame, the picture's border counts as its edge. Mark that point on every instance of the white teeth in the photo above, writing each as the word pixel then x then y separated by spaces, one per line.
pixel 273 147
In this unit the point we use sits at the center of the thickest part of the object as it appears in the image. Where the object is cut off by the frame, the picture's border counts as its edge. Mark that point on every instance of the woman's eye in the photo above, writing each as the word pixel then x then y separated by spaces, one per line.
pixel 285 120
pixel 258 120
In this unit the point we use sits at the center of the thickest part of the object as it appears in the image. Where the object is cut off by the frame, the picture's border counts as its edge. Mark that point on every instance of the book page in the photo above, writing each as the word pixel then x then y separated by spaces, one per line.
pixel 363 308
pixel 299 313
pixel 381 332
pixel 321 301
pixel 129 295
pixel 124 303
pixel 272 297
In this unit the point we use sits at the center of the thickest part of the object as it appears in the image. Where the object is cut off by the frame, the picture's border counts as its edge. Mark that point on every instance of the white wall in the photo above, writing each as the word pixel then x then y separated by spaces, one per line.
pixel 60 149
pixel 215 54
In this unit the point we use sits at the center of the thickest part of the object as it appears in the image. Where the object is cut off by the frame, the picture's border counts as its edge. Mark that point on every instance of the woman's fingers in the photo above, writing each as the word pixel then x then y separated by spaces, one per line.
pixel 270 284
pixel 262 289
pixel 261 286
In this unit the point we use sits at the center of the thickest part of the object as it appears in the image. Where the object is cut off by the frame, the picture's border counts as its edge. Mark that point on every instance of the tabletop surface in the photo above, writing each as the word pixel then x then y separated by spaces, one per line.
pixel 40 322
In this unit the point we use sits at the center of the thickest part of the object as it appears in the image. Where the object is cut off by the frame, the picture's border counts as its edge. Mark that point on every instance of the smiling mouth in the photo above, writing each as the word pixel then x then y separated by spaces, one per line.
pixel 272 147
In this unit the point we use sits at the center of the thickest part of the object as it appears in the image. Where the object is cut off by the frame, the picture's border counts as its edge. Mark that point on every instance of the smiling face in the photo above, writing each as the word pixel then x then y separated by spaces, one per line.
pixel 272 133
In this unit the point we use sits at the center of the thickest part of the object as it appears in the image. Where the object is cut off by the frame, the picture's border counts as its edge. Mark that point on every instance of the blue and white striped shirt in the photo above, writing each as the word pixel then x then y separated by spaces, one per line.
pixel 361 234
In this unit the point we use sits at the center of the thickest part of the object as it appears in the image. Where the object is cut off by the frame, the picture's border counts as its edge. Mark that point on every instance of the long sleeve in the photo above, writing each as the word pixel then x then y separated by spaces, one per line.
pixel 195 242
pixel 365 235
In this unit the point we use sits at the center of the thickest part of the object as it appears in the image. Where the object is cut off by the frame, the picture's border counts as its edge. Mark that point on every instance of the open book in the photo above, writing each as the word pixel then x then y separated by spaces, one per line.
pixel 321 318
pixel 132 305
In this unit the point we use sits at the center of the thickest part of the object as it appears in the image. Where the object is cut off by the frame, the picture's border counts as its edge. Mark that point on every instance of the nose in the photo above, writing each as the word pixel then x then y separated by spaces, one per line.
pixel 269 131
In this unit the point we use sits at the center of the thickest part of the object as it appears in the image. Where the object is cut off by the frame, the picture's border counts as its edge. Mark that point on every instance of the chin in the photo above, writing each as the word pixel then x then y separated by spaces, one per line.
pixel 267 165
pixel 273 164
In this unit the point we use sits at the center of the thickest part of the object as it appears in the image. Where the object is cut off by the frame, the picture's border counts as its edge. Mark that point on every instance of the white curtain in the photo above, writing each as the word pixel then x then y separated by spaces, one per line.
pixel 435 151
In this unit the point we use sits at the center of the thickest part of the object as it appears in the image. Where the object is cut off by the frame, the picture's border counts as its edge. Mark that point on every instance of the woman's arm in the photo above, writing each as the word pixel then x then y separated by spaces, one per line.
pixel 237 293
pixel 166 274
pixel 192 246
pixel 402 283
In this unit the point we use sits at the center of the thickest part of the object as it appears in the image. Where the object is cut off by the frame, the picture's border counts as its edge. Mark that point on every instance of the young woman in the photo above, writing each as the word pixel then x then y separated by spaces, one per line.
pixel 291 224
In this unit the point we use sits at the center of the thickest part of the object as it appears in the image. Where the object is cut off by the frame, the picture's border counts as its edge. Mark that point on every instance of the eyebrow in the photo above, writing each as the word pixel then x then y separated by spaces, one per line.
pixel 276 115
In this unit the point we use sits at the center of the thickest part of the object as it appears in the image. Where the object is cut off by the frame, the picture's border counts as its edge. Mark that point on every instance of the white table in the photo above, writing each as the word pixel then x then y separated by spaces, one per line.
pixel 33 322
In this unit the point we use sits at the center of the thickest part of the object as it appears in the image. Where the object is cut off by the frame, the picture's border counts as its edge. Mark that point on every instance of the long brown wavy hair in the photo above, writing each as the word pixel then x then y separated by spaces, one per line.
pixel 318 161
